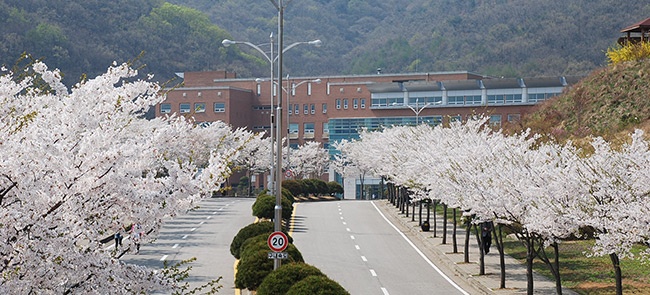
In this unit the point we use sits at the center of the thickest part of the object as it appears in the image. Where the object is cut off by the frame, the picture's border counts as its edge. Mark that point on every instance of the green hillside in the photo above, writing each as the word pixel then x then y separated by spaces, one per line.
pixel 510 38
pixel 610 102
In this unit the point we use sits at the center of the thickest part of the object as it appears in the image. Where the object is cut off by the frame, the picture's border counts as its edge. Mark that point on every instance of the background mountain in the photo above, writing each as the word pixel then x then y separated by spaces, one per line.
pixel 511 38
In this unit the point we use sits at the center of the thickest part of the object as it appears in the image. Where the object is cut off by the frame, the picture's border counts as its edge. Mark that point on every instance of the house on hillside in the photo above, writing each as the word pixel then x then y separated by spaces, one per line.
pixel 636 33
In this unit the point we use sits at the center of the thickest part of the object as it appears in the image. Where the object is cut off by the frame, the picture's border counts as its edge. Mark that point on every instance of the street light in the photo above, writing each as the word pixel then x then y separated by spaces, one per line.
pixel 271 59
pixel 417 110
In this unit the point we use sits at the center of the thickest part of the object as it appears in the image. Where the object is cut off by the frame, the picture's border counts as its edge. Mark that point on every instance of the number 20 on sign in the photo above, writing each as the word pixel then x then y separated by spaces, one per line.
pixel 277 241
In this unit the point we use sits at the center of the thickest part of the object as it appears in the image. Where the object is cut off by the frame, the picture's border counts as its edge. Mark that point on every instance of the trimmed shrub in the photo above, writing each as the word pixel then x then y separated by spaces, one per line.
pixel 249 231
pixel 321 187
pixel 287 194
pixel 282 279
pixel 309 187
pixel 317 285
pixel 334 188
pixel 264 207
pixel 254 264
pixel 294 186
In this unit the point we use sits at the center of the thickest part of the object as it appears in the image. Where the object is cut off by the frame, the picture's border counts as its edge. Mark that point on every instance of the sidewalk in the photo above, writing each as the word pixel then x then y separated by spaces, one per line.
pixel 454 262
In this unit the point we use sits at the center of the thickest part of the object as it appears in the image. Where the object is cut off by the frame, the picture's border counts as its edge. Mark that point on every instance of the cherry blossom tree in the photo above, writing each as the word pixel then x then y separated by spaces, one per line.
pixel 310 160
pixel 79 164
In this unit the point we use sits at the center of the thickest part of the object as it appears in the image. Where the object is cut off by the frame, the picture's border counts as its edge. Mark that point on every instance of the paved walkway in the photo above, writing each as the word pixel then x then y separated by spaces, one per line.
pixel 443 254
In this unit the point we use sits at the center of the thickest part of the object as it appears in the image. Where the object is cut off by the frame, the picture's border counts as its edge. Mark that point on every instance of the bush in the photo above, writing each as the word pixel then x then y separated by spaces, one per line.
pixel 254 264
pixel 294 186
pixel 282 279
pixel 628 52
pixel 309 187
pixel 321 187
pixel 264 207
pixel 247 232
pixel 287 194
pixel 317 285
pixel 334 188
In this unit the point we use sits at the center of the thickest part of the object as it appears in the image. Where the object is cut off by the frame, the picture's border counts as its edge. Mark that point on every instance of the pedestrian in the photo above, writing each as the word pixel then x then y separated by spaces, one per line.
pixel 486 236
pixel 118 240
pixel 136 235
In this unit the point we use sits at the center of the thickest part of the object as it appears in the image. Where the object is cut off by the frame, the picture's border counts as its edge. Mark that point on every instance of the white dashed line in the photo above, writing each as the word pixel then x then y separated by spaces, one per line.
pixel 345 223
pixel 184 237
pixel 364 258
pixel 347 229
pixel 208 217
pixel 373 273
pixel 193 229
pixel 352 237
pixel 357 246
pixel 175 246
pixel 164 258
pixel 383 290
pixel 202 222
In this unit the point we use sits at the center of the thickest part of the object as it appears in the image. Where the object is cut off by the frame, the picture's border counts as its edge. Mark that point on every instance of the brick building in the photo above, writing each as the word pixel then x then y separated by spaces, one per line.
pixel 338 106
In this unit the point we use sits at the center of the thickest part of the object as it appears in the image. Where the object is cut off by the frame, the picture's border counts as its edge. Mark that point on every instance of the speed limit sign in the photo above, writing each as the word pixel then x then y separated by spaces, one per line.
pixel 277 241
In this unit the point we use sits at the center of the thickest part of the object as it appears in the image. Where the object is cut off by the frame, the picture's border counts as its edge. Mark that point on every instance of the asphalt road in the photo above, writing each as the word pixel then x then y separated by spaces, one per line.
pixel 355 245
pixel 204 233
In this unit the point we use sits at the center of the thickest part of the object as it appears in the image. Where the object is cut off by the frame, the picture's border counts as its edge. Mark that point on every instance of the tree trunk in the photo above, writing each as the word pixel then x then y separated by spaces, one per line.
pixel 413 212
pixel 479 238
pixel 498 238
pixel 435 220
pixel 444 224
pixel 530 255
pixel 617 271
pixel 468 231
pixel 558 281
pixel 420 219
pixel 453 234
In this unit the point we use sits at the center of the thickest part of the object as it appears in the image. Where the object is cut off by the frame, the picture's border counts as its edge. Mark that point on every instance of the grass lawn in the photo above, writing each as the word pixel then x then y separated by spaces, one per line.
pixel 589 275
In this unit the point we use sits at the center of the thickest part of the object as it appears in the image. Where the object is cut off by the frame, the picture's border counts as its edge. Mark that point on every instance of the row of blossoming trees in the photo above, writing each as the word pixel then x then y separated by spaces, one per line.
pixel 78 164
pixel 543 192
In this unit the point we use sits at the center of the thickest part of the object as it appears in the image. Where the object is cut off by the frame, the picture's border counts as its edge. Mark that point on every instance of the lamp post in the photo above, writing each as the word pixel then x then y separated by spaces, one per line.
pixel 417 110
pixel 280 6
pixel 271 59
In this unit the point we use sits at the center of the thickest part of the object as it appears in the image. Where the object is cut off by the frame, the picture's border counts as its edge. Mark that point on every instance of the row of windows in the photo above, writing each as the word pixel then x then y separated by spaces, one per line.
pixel 356 103
pixel 458 100
pixel 185 107
pixel 308 128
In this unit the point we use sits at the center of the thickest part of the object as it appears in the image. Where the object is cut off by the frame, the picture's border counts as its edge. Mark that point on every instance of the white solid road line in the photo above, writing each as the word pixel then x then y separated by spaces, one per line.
pixel 420 252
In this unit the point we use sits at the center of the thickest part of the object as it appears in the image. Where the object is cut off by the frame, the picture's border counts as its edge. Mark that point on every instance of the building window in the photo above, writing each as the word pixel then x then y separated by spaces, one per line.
pixel 290 110
pixel 165 108
pixel 495 121
pixel 219 107
pixel 199 107
pixel 305 108
pixel 363 103
pixel 309 128
pixel 473 99
pixel 513 98
pixel 355 103
pixel 296 109
pixel 293 128
pixel 338 104
pixel 455 118
pixel 324 108
pixel 326 128
pixel 495 99
pixel 185 108
pixel 313 109
pixel 513 118
pixel 345 104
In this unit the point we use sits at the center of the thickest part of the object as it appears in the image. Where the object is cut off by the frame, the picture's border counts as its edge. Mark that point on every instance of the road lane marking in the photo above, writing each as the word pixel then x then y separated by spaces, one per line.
pixel 383 290
pixel 342 218
pixel 184 237
pixel 193 229
pixel 373 273
pixel 175 246
pixel 347 229
pixel 357 246
pixel 202 222
pixel 164 257
pixel 364 258
pixel 352 237
pixel 208 217
pixel 443 275
pixel 345 223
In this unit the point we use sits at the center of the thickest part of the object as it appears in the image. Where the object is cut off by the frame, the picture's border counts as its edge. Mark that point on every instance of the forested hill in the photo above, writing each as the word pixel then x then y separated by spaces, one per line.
pixel 493 37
